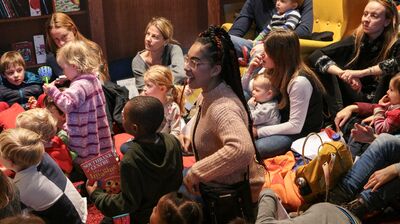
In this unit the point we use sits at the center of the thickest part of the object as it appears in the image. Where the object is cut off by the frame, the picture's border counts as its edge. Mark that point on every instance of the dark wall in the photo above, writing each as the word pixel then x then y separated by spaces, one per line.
pixel 125 21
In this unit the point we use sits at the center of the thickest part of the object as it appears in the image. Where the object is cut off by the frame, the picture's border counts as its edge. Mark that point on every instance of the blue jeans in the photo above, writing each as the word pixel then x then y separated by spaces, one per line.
pixel 238 42
pixel 273 145
pixel 382 152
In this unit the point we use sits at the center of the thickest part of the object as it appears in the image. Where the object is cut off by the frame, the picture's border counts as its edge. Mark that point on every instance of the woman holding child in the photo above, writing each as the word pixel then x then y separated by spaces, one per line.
pixel 160 49
pixel 359 67
pixel 299 93
pixel 221 136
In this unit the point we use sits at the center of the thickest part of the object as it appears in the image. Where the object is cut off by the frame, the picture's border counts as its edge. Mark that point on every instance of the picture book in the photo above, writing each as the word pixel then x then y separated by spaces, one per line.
pixel 67 5
pixel 40 49
pixel 25 48
pixel 35 7
pixel 105 170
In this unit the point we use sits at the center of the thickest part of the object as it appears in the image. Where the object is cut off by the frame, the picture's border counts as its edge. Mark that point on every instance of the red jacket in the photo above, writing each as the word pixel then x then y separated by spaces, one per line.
pixel 60 153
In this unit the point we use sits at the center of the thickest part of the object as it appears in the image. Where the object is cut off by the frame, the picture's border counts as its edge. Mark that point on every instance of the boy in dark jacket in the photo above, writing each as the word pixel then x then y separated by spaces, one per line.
pixel 150 168
pixel 16 84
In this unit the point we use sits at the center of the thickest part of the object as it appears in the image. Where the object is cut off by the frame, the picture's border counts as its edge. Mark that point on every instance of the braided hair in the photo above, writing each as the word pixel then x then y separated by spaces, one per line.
pixel 220 51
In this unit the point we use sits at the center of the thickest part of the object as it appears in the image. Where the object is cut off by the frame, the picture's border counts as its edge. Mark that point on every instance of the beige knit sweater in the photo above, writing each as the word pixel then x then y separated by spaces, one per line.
pixel 223 142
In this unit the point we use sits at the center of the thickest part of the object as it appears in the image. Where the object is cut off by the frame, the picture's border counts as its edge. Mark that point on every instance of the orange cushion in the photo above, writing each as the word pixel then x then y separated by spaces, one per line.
pixel 120 139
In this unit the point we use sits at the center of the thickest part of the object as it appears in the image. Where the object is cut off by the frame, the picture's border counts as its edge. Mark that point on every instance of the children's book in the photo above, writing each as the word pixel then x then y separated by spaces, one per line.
pixel 25 48
pixel 67 5
pixel 40 48
pixel 35 7
pixel 22 6
pixel 105 170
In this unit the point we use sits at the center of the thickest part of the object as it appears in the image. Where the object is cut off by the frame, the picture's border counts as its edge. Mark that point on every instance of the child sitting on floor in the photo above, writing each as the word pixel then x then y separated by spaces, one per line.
pixel 151 167
pixel 42 185
pixel 159 83
pixel 40 120
pixel 16 84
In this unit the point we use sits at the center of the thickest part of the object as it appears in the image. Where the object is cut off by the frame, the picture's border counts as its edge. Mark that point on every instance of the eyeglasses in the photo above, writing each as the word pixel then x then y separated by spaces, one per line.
pixel 193 63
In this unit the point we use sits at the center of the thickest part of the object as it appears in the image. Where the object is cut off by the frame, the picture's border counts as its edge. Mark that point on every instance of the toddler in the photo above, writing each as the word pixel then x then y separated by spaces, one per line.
pixel 83 102
pixel 41 121
pixel 262 104
pixel 16 84
pixel 287 16
pixel 159 83
pixel 43 187
pixel 151 167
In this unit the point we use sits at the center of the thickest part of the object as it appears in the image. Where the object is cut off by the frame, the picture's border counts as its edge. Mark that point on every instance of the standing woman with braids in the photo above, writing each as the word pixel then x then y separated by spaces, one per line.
pixel 359 67
pixel 159 83
pixel 300 93
pixel 221 137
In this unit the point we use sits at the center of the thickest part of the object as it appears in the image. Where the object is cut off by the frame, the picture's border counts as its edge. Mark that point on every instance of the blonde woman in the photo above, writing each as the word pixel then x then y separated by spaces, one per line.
pixel 160 49
pixel 359 67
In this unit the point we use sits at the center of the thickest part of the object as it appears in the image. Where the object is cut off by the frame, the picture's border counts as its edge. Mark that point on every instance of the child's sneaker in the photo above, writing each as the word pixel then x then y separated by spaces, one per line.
pixel 243 61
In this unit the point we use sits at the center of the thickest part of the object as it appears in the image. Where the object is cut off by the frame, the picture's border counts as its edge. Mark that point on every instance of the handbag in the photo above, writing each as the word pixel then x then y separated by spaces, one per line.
pixel 223 203
pixel 322 173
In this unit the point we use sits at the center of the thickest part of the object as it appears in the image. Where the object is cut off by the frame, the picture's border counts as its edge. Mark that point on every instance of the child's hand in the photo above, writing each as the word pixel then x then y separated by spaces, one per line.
pixel 91 189
pixel 32 102
pixel 363 134
pixel 368 120
pixel 384 101
pixel 252 101
pixel 46 87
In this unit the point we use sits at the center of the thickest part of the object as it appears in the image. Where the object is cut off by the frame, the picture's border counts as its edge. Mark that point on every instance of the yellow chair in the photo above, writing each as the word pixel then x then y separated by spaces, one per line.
pixel 338 16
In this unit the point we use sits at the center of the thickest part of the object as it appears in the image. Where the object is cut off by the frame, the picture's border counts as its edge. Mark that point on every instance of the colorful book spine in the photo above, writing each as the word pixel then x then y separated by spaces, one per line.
pixel 35 7
pixel 40 49
pixel 25 48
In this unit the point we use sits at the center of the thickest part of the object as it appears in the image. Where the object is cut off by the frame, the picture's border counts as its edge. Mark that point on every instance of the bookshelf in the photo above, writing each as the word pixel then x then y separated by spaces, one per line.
pixel 19 29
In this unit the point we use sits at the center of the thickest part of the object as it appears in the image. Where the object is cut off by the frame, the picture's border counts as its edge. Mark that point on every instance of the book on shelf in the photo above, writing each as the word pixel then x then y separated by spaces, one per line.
pixel 8 9
pixel 22 7
pixel 3 12
pixel 40 49
pixel 46 7
pixel 25 48
pixel 105 170
pixel 66 5
pixel 35 7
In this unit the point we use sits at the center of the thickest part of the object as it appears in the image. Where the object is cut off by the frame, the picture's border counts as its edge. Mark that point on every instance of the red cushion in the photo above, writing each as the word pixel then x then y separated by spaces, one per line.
pixel 8 116
pixel 120 139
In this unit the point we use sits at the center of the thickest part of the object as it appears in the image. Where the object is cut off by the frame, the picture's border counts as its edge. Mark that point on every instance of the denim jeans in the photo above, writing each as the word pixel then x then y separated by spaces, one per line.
pixel 382 152
pixel 273 145
pixel 238 42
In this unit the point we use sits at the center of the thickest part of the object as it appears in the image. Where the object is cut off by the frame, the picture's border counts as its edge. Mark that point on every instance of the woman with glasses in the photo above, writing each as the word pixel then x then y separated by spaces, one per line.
pixel 221 136
pixel 160 49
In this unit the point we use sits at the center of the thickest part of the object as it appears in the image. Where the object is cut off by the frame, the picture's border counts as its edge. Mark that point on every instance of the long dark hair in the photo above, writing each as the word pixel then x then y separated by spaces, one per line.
pixel 220 51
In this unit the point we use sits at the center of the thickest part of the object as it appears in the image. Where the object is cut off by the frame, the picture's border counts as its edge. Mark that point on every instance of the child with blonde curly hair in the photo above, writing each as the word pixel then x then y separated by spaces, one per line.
pixel 83 102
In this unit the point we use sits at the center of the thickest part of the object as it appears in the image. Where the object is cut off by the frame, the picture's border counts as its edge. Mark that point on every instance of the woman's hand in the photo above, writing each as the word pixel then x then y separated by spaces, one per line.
pixel 191 183
pixel 363 134
pixel 256 62
pixel 91 188
pixel 257 49
pixel 381 177
pixel 347 75
pixel 344 115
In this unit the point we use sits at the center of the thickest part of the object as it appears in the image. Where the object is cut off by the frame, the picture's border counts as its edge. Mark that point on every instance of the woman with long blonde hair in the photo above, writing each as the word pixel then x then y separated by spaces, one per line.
pixel 359 67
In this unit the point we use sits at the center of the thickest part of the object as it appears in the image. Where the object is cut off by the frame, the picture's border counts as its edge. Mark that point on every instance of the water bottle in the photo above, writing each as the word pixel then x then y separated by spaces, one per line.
pixel 338 137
